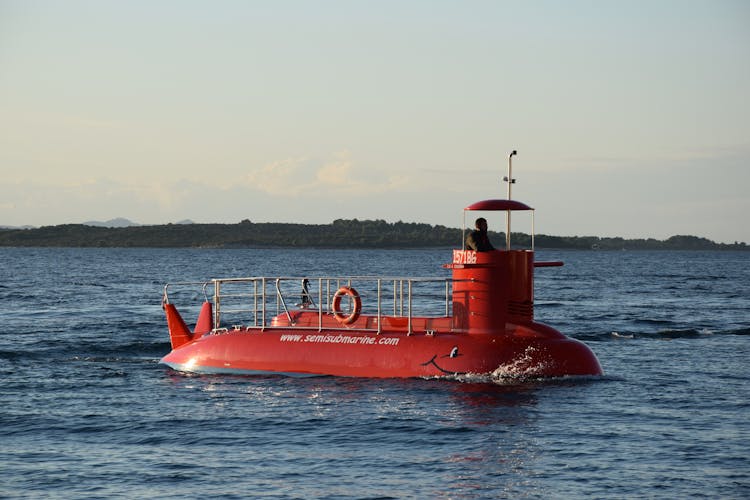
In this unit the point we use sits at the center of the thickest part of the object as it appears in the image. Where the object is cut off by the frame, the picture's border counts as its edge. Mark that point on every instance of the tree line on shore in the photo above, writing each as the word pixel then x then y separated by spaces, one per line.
pixel 341 233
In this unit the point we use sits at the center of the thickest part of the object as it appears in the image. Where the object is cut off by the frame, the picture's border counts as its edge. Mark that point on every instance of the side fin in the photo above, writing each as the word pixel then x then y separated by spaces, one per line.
pixel 179 333
pixel 205 321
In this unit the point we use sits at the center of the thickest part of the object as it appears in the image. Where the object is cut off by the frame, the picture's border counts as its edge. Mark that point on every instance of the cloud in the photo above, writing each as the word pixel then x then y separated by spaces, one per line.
pixel 47 202
pixel 271 189
pixel 278 178
pixel 339 176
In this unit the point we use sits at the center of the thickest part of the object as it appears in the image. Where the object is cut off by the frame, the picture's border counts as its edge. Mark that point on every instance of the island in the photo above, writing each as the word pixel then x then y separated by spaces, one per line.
pixel 341 233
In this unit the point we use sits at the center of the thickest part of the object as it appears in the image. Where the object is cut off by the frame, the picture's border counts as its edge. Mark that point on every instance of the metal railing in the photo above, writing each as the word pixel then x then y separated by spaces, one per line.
pixel 253 302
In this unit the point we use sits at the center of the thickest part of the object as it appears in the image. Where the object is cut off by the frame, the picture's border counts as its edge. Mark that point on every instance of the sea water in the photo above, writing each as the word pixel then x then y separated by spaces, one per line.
pixel 86 411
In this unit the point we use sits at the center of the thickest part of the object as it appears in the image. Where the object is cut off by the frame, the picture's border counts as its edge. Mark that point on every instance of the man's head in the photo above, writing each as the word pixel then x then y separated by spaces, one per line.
pixel 481 224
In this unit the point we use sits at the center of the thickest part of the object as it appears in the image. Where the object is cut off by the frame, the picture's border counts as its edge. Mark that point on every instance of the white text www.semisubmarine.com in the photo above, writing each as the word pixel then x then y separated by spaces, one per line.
pixel 340 339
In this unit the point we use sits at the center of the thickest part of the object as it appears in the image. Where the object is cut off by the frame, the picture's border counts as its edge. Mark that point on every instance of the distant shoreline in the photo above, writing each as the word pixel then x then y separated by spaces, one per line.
pixel 339 234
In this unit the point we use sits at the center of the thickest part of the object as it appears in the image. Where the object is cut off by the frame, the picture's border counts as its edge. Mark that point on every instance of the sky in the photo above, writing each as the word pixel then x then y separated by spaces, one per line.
pixel 630 119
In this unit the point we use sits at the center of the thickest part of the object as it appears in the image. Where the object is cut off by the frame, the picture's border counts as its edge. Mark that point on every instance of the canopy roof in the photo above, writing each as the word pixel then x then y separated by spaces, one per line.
pixel 503 205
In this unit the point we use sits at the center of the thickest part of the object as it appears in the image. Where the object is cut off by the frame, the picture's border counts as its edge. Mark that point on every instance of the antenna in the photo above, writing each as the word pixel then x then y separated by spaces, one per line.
pixel 510 180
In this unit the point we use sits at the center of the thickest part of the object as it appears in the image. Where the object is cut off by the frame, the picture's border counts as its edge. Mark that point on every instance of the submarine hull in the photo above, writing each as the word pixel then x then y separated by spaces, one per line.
pixel 355 354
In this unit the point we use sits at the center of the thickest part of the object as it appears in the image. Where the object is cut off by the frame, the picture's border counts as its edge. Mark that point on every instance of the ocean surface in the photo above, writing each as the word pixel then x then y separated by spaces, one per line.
pixel 87 411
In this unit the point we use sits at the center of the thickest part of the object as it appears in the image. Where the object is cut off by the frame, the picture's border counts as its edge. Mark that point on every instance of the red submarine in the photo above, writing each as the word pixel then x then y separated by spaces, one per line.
pixel 478 321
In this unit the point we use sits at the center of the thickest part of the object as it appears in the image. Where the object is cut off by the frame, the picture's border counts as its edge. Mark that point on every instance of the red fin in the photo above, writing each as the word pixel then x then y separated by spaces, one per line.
pixel 179 333
pixel 205 321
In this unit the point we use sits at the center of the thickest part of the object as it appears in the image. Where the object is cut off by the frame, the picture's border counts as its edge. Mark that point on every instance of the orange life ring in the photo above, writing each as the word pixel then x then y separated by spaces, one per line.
pixel 336 305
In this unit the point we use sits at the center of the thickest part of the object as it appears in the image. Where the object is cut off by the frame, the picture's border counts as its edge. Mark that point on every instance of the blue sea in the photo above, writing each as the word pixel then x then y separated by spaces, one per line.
pixel 87 411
